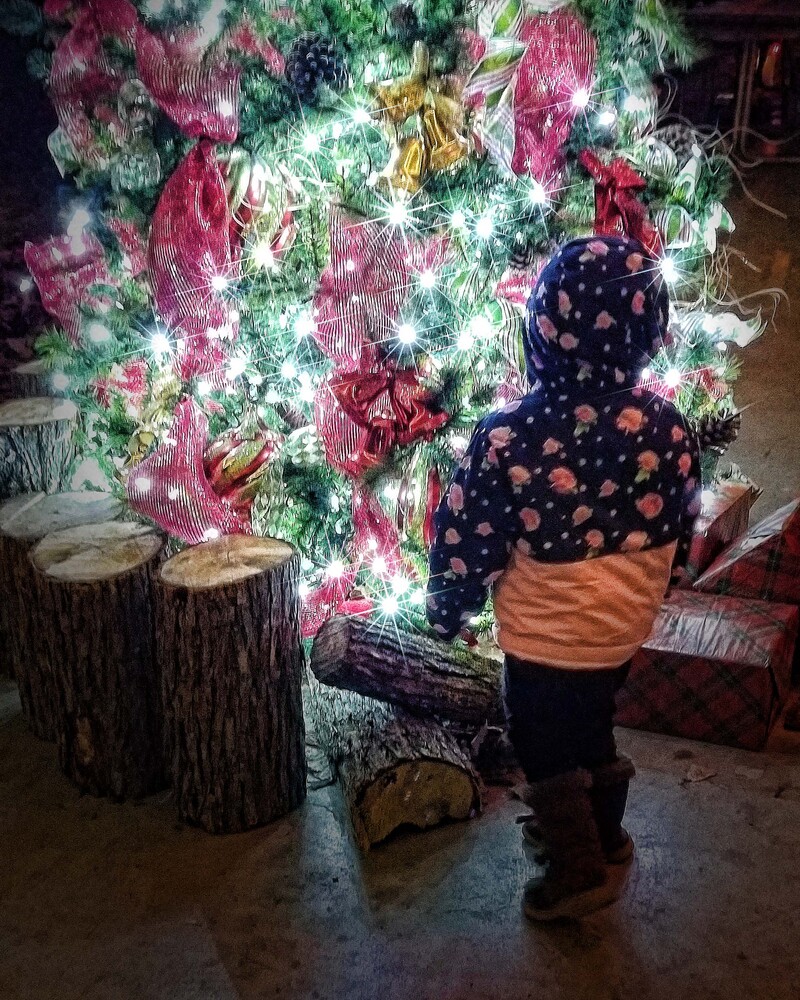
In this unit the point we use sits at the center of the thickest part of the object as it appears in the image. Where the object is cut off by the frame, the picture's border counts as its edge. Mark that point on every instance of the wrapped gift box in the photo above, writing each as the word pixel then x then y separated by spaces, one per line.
pixel 763 564
pixel 724 517
pixel 715 668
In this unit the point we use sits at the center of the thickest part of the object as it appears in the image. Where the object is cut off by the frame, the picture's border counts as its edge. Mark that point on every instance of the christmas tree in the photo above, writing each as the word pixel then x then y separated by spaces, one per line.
pixel 303 237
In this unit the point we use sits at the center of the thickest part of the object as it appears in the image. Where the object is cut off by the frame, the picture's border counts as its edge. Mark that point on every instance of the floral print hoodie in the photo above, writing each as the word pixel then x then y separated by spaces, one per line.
pixel 589 463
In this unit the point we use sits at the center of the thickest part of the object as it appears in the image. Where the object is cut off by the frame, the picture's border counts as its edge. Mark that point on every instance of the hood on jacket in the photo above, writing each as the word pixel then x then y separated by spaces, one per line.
pixel 597 315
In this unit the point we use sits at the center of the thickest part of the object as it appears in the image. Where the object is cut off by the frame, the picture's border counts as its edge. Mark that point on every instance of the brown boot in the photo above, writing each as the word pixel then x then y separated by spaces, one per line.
pixel 609 795
pixel 576 881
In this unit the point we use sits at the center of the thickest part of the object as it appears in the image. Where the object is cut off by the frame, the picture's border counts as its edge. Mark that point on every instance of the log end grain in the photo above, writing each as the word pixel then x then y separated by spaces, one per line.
pixel 224 561
pixel 35 411
pixel 31 516
pixel 419 794
pixel 94 552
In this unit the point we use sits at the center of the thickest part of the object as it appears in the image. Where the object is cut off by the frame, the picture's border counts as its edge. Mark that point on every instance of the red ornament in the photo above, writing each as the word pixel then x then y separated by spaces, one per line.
pixel 170 486
pixel 235 462
pixel 618 210
pixel 324 601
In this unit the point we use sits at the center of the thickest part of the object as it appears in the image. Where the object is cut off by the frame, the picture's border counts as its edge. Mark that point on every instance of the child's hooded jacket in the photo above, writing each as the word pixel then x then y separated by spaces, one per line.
pixel 576 501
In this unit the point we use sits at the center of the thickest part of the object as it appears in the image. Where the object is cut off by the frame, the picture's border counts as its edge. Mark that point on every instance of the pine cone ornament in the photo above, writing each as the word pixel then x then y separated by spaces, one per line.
pixel 313 64
pixel 680 139
pixel 404 23
pixel 718 432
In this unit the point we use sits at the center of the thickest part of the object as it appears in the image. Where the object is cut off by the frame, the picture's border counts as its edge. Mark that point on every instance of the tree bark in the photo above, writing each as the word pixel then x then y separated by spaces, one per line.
pixel 36 445
pixel 33 378
pixel 231 658
pixel 420 674
pixel 395 769
pixel 23 521
pixel 95 629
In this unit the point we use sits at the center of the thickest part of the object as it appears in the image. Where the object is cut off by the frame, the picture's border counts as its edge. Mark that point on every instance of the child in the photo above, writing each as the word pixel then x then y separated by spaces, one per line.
pixel 575 503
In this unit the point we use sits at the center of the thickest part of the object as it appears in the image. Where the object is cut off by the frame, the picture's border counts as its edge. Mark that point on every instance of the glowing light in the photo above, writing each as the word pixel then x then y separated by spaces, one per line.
pixel 485 227
pixel 647 374
pixel 427 279
pixel 219 282
pixel 225 107
pixel 406 334
pixel 480 327
pixel 311 143
pixel 350 266
pixel 418 596
pixel 607 118
pixel 465 341
pixel 361 116
pixel 707 498
pixel 379 565
pixel 307 394
pixel 288 370
pixel 98 333
pixel 537 194
pixel 673 378
pixel 336 130
pixel 399 584
pixel 304 590
pixel 236 367
pixel 633 104
pixel 669 269
pixel 263 256
pixel 210 535
pixel 79 221
pixel 60 381
pixel 458 220
pixel 398 214
pixel 143 484
pixel 722 347
pixel 304 325
pixel 204 387
pixel 390 605
pixel 581 97
pixel 234 316
pixel 710 324
pixel 25 285
pixel 335 569
pixel 160 343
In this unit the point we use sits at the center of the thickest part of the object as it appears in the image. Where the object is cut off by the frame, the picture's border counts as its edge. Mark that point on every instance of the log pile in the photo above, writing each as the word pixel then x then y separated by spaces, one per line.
pixel 395 712
pixel 37 449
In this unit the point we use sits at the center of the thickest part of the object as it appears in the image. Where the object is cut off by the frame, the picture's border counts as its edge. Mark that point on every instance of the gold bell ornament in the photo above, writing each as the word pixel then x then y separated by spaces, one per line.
pixel 438 141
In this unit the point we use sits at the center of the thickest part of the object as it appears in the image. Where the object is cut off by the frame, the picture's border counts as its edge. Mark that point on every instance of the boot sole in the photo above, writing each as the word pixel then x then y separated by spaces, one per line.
pixel 582 904
pixel 621 856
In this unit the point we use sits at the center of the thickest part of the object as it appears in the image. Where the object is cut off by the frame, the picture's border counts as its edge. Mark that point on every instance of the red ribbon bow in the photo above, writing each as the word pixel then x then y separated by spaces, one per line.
pixel 617 208
pixel 391 405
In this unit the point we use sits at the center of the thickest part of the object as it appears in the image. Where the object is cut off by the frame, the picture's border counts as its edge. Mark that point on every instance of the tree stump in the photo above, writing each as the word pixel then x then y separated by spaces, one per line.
pixel 420 674
pixel 23 521
pixel 95 627
pixel 36 445
pixel 231 658
pixel 395 769
pixel 33 378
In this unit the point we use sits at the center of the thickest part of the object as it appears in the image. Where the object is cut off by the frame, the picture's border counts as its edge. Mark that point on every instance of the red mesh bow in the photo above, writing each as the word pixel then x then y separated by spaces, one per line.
pixel 128 380
pixel 375 537
pixel 83 77
pixel 361 291
pixel 65 270
pixel 559 60
pixel 618 210
pixel 200 95
pixel 189 248
pixel 170 486
pixel 131 243
pixel 391 407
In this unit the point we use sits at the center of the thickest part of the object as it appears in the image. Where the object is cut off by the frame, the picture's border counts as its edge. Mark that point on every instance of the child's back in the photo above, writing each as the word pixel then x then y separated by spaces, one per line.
pixel 575 502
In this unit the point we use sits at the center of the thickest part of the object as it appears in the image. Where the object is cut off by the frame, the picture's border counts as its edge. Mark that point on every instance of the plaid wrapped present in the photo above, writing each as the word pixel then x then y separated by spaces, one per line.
pixel 715 668
pixel 724 517
pixel 764 564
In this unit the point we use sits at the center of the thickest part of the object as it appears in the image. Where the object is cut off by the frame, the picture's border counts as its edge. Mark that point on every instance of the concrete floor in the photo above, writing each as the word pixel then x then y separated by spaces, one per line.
pixel 119 902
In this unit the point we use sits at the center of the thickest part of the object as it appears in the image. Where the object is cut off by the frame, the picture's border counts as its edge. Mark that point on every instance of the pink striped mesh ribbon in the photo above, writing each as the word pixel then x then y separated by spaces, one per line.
pixel 171 489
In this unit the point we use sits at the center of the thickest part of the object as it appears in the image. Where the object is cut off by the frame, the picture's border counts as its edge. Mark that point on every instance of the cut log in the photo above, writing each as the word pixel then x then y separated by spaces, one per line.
pixel 36 445
pixel 420 674
pixel 395 769
pixel 231 660
pixel 23 521
pixel 33 378
pixel 94 591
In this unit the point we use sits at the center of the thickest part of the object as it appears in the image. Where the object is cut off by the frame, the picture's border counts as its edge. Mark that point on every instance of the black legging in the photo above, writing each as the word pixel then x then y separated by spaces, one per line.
pixel 559 720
